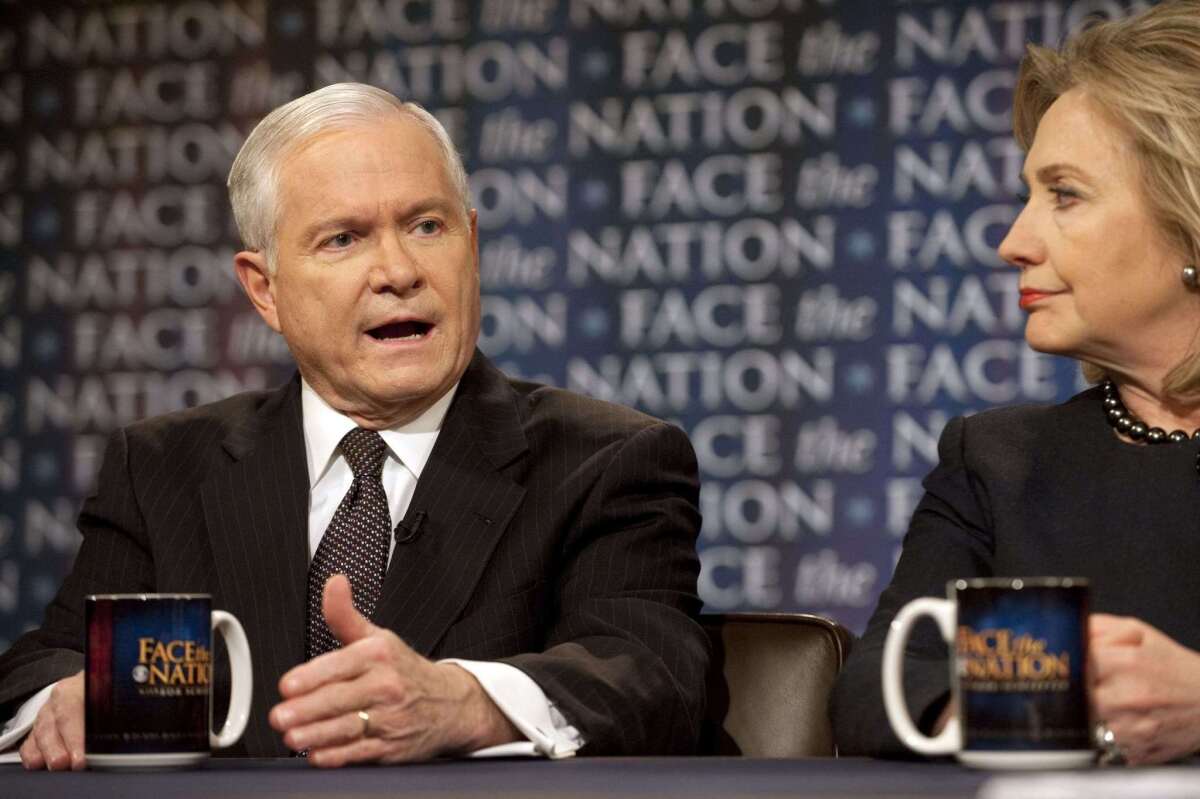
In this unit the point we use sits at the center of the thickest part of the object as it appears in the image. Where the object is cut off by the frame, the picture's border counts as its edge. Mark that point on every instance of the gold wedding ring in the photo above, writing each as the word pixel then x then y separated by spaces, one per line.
pixel 366 720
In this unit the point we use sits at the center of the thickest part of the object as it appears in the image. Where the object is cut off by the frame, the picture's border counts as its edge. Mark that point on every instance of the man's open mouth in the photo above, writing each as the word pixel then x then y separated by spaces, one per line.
pixel 400 330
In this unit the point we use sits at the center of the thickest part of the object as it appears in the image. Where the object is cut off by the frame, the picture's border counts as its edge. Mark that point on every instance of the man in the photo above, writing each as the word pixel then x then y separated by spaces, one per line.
pixel 545 539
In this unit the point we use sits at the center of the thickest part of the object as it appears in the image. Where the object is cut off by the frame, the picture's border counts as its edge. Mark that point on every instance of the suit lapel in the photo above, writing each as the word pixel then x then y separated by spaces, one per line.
pixel 256 509
pixel 468 503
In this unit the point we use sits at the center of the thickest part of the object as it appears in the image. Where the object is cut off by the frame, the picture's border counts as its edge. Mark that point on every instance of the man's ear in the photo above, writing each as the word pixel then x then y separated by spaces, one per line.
pixel 257 281
pixel 474 221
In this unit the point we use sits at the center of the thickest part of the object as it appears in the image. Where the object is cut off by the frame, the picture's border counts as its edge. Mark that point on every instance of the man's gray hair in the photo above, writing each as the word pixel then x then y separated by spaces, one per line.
pixel 254 176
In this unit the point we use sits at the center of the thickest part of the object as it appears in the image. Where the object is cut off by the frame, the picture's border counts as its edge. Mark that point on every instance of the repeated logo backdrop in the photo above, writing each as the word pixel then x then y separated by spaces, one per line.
pixel 770 221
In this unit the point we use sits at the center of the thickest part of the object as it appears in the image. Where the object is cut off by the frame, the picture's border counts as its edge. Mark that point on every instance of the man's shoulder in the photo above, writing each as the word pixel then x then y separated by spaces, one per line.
pixel 213 421
pixel 560 413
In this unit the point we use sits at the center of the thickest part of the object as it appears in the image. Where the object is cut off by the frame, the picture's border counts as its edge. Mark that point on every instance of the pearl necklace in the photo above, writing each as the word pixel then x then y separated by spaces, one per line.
pixel 1125 422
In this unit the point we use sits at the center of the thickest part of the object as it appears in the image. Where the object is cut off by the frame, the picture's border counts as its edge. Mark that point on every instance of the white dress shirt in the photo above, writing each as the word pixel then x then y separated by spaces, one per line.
pixel 329 478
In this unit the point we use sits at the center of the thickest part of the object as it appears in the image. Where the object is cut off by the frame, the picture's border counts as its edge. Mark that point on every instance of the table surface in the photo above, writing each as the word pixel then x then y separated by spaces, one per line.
pixel 663 778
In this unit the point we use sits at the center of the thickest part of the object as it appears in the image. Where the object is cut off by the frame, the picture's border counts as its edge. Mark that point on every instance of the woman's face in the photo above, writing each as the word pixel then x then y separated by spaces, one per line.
pixel 1098 278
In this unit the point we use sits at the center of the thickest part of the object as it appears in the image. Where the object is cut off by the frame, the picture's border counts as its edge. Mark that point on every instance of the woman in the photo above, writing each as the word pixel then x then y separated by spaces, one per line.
pixel 1108 247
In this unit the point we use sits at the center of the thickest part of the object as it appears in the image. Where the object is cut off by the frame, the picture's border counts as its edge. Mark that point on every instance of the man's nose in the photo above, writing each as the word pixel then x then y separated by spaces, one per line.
pixel 395 267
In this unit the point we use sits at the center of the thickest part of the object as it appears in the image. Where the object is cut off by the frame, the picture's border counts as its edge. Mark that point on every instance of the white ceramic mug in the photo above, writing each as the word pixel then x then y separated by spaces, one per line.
pixel 149 669
pixel 1018 649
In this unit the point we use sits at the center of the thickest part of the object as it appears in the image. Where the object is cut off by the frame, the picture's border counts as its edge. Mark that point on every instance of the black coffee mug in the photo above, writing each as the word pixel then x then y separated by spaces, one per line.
pixel 1017 672
pixel 148 686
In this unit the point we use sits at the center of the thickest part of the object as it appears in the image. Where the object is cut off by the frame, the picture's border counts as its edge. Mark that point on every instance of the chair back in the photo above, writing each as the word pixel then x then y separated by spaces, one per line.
pixel 769 683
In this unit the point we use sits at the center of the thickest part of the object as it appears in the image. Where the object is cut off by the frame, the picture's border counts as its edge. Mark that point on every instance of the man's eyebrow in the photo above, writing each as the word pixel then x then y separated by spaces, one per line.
pixel 442 204
pixel 345 222
pixel 352 221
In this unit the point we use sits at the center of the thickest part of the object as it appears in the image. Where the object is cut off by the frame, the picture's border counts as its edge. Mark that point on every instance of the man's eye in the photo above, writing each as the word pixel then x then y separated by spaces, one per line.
pixel 429 227
pixel 340 240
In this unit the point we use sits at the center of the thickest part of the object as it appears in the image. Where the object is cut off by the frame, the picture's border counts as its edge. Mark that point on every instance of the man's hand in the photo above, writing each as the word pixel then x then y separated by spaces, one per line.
pixel 417 708
pixel 1145 687
pixel 56 740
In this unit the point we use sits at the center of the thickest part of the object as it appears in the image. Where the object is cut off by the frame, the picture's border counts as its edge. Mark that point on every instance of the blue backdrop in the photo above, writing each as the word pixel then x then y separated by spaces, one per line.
pixel 771 221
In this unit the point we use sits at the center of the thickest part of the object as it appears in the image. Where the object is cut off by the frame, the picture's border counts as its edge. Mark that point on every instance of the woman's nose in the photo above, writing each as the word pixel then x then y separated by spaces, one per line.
pixel 1022 247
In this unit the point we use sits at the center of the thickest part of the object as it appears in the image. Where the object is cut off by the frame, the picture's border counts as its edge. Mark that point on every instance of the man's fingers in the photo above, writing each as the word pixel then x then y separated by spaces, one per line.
pixel 360 751
pixel 67 705
pixel 344 729
pixel 56 740
pixel 54 753
pixel 31 754
pixel 71 732
pixel 326 701
pixel 340 665
pixel 337 603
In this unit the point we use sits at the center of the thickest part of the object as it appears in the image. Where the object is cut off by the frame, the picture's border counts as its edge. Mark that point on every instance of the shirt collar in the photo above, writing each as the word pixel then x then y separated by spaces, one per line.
pixel 325 427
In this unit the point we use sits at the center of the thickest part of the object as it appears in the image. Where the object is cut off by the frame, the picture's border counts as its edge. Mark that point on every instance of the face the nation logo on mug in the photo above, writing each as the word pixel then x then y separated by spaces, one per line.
pixel 149 679
pixel 1018 652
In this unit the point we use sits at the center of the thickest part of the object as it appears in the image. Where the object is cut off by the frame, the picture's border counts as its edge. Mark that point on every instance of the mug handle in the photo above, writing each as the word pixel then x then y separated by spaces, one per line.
pixel 949 740
pixel 242 680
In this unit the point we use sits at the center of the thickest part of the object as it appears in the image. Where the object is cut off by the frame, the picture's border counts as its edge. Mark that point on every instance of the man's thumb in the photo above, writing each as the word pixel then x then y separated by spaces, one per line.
pixel 337 603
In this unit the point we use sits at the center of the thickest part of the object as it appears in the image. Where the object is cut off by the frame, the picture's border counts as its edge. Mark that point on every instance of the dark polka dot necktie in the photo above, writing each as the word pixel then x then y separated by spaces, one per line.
pixel 356 542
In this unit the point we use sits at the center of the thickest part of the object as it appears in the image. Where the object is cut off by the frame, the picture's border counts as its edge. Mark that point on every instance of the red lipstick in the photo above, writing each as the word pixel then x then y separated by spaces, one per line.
pixel 1030 296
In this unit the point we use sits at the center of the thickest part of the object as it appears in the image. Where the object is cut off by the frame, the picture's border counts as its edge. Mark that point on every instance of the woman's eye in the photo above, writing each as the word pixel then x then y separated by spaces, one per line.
pixel 1063 196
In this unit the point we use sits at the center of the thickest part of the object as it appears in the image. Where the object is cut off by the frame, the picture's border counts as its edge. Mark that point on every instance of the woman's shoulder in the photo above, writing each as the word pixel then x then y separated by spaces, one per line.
pixel 1080 410
pixel 1007 446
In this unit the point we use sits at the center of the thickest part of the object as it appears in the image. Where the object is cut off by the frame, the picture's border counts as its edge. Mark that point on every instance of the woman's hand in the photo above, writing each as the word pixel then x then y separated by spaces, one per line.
pixel 1145 687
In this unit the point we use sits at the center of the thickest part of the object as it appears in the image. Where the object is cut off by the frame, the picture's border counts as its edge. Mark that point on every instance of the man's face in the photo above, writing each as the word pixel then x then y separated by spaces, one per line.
pixel 376 288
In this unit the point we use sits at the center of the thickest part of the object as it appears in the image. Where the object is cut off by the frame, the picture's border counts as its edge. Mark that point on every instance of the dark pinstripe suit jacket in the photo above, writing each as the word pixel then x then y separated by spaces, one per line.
pixel 559 537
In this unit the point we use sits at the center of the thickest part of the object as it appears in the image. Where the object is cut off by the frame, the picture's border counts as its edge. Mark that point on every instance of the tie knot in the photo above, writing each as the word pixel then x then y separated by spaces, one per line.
pixel 364 451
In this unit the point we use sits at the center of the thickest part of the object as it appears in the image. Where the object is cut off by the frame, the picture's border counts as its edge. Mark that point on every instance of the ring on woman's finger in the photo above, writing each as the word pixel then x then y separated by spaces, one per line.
pixel 366 722
pixel 1111 753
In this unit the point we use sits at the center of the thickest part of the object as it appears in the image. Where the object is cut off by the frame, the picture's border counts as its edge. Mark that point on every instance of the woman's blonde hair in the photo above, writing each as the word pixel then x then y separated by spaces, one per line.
pixel 1144 72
